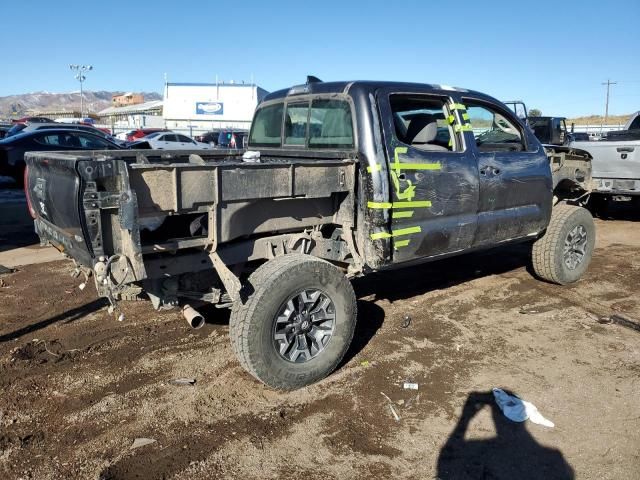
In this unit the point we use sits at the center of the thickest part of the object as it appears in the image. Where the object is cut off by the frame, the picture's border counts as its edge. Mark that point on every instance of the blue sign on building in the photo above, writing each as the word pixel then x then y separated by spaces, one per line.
pixel 209 108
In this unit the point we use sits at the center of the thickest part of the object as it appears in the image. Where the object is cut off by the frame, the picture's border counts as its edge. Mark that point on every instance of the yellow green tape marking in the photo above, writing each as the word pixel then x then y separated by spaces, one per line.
pixel 420 166
pixel 413 204
pixel 379 205
pixel 396 233
pixel 396 158
pixel 380 235
pixel 403 214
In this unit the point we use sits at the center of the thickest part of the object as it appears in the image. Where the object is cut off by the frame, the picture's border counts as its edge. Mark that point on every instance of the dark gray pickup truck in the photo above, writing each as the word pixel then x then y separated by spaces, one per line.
pixel 340 179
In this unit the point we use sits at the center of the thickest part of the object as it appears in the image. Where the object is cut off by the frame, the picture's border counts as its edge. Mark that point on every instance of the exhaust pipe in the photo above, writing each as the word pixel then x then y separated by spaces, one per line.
pixel 193 317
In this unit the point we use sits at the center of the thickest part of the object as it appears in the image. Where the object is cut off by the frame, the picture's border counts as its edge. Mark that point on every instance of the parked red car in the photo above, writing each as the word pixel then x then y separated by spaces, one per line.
pixel 32 120
pixel 143 132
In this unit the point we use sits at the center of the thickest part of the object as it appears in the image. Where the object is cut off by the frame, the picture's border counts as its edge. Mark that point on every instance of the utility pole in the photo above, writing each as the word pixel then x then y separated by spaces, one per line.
pixel 608 83
pixel 80 76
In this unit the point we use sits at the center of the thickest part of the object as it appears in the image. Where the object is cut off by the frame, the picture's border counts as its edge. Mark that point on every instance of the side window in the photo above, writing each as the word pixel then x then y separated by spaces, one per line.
pixel 330 124
pixel 184 139
pixel 266 129
pixel 296 121
pixel 70 140
pixel 423 123
pixel 170 138
pixel 90 142
pixel 494 130
pixel 53 140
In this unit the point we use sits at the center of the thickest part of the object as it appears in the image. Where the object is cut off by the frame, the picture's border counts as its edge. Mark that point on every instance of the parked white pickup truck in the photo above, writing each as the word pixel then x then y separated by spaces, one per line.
pixel 616 164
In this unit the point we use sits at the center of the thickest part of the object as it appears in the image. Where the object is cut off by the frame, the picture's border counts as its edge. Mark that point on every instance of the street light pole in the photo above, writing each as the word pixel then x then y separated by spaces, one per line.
pixel 81 77
pixel 608 83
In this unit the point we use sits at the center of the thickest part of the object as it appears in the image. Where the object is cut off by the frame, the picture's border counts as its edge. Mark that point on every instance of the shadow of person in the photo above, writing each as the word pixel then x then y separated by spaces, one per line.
pixel 512 454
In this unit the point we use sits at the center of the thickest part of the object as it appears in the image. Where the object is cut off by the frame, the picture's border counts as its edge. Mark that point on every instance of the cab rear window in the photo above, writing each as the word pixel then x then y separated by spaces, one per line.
pixel 330 124
pixel 266 130
pixel 319 123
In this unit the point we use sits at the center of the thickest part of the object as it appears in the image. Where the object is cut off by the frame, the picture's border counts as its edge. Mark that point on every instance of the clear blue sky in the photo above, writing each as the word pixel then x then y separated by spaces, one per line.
pixel 552 54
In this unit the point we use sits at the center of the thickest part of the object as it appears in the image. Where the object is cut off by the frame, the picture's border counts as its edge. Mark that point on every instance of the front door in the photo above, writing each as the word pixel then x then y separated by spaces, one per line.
pixel 515 179
pixel 433 178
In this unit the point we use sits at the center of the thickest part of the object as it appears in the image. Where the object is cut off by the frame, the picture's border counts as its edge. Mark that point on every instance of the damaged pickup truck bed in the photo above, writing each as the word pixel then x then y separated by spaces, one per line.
pixel 342 179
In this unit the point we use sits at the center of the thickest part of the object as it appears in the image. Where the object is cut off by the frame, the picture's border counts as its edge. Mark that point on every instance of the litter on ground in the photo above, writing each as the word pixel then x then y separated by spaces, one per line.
pixel 518 410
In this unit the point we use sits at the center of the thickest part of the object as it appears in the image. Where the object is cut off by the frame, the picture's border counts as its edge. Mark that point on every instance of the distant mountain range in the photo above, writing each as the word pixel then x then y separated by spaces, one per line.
pixel 19 105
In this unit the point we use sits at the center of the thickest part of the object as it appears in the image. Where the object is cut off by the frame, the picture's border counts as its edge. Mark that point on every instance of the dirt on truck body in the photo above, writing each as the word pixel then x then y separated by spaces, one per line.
pixel 341 179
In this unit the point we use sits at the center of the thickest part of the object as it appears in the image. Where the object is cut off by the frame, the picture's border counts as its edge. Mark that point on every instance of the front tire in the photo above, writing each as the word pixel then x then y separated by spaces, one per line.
pixel 297 322
pixel 563 254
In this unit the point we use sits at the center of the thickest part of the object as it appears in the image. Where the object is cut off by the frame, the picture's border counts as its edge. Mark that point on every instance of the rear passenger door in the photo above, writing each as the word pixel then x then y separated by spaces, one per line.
pixel 514 172
pixel 433 177
pixel 166 142
pixel 185 142
pixel 93 142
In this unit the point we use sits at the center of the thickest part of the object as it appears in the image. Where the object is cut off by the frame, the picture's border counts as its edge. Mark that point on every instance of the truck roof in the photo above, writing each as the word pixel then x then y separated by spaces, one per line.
pixel 366 86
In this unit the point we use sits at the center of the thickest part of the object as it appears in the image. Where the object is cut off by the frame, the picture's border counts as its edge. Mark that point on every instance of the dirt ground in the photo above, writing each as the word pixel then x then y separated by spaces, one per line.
pixel 78 387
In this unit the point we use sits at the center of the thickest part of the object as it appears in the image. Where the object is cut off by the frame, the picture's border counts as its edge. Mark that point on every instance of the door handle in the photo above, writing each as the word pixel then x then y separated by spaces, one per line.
pixel 489 170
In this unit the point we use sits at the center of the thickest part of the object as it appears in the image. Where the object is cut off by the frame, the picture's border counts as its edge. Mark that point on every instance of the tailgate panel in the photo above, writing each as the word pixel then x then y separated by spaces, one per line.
pixel 613 159
pixel 54 189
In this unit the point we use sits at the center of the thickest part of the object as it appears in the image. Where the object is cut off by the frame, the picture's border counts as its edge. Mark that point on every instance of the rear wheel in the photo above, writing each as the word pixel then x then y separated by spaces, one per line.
pixel 297 322
pixel 563 254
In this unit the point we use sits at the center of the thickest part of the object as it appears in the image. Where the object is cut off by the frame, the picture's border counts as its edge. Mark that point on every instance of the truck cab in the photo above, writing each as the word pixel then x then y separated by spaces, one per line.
pixel 441 169
pixel 549 130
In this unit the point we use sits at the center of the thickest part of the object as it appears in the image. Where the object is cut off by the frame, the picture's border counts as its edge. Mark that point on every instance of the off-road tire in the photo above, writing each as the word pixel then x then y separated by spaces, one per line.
pixel 548 251
pixel 252 322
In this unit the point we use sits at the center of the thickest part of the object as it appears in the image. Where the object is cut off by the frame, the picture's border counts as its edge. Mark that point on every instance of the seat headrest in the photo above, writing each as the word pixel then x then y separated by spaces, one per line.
pixel 423 128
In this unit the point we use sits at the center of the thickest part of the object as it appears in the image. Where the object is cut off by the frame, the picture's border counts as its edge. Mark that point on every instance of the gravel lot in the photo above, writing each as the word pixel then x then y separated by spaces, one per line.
pixel 78 387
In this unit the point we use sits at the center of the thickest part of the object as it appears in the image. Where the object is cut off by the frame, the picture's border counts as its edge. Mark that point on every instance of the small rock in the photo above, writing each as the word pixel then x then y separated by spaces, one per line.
pixel 141 442
pixel 183 381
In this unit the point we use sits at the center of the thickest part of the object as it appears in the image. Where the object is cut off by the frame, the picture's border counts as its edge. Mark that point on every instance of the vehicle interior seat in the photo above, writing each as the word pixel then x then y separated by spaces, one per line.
pixel 422 131
pixel 64 140
pixel 74 141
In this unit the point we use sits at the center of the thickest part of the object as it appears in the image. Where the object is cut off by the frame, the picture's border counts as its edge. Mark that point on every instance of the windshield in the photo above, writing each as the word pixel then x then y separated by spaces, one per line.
pixel 18 127
pixel 492 127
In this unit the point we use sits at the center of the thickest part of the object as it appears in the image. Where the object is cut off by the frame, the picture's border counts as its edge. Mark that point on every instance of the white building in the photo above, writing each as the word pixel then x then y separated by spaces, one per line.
pixel 205 106
pixel 141 115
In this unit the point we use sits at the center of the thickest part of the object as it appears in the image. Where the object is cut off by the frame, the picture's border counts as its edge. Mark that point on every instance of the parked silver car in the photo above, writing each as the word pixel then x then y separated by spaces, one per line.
pixel 169 141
